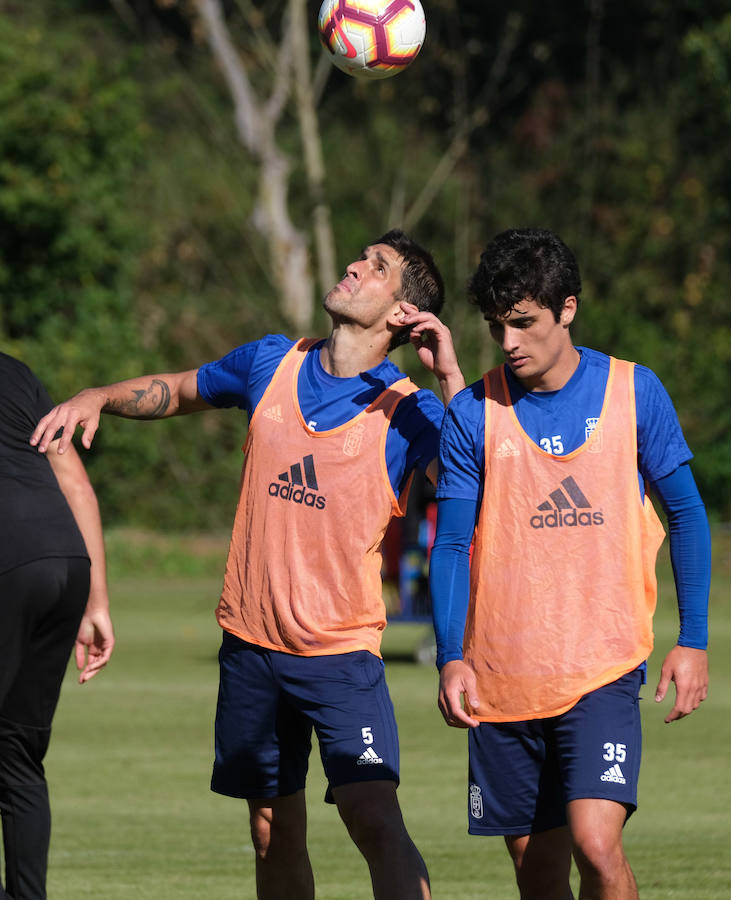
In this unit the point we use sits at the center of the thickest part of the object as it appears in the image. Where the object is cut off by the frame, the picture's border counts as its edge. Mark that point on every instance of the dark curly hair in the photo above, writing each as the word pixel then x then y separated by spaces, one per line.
pixel 524 264
pixel 421 280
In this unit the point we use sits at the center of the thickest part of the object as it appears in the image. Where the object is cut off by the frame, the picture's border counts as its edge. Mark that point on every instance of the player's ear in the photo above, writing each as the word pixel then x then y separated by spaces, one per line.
pixel 396 328
pixel 568 311
pixel 395 314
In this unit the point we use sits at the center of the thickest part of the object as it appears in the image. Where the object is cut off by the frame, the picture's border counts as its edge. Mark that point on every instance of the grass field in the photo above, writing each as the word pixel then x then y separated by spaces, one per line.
pixel 131 754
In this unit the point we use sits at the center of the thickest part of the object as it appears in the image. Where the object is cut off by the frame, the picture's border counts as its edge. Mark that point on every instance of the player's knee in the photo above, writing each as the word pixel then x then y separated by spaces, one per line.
pixel 373 818
pixel 374 836
pixel 541 879
pixel 599 855
pixel 542 864
pixel 517 847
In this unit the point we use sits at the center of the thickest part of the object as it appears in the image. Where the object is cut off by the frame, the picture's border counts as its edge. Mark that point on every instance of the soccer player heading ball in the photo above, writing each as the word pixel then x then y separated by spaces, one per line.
pixel 335 433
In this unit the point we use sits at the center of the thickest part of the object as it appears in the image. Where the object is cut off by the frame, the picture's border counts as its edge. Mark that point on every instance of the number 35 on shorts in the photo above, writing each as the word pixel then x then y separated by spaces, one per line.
pixel 613 752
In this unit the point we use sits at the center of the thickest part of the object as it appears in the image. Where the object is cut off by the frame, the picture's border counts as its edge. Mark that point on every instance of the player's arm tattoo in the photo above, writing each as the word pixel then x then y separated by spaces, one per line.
pixel 149 403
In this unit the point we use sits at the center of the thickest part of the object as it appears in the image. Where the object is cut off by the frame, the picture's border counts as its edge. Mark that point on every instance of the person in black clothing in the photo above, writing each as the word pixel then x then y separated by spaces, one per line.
pixel 52 592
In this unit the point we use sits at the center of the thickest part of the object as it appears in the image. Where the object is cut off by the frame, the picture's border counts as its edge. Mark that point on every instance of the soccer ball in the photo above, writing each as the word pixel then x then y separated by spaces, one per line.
pixel 372 38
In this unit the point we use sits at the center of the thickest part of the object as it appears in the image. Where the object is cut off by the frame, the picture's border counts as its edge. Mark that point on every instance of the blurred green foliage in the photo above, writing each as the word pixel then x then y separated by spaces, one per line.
pixel 69 144
pixel 127 240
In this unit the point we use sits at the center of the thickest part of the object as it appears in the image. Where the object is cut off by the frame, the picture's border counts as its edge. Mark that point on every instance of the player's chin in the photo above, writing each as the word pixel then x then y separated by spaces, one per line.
pixel 334 295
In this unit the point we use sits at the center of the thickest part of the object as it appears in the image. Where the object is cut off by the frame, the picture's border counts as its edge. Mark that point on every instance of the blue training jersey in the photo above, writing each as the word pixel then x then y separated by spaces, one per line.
pixel 559 422
pixel 241 377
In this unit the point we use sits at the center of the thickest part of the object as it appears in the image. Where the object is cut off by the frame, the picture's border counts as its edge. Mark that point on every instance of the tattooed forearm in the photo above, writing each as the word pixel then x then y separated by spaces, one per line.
pixel 151 402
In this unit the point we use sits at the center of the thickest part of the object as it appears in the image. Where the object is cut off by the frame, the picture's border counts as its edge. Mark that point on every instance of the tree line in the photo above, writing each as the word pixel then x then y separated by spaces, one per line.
pixel 181 176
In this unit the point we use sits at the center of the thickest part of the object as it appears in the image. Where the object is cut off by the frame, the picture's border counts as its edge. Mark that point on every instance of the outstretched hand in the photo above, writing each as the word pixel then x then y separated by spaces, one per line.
pixel 688 668
pixel 83 409
pixel 432 341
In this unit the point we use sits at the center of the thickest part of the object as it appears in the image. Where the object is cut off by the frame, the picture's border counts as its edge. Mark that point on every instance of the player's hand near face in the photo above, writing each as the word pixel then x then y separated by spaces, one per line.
pixel 688 668
pixel 457 680
pixel 432 341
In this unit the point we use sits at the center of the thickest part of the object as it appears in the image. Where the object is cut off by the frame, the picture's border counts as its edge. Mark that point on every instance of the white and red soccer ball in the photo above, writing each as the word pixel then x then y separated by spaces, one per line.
pixel 372 38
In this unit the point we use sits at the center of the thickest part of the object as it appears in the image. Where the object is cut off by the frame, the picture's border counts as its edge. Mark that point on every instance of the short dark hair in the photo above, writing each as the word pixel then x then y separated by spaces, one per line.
pixel 524 264
pixel 421 280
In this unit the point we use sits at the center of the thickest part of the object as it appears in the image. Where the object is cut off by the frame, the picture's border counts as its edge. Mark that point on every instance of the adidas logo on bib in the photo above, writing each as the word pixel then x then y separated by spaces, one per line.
pixel 274 413
pixel 299 484
pixel 566 508
pixel 506 449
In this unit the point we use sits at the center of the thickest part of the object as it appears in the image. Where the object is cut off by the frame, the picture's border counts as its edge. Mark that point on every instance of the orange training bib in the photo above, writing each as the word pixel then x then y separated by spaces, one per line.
pixel 304 568
pixel 563 585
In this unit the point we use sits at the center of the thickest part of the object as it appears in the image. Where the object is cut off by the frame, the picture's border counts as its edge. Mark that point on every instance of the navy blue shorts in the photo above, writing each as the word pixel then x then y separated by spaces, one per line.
pixel 522 774
pixel 268 704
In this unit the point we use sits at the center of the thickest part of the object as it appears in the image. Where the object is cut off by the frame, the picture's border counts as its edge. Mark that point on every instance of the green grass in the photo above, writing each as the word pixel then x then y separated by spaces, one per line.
pixel 131 754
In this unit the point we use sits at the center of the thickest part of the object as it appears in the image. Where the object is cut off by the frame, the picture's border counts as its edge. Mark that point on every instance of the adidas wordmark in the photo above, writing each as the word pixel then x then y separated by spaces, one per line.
pixel 299 484
pixel 369 757
pixel 567 506
pixel 614 774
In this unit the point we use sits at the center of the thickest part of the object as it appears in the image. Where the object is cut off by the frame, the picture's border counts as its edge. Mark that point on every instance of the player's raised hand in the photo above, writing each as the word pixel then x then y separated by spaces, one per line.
pixel 688 668
pixel 432 341
pixel 457 680
pixel 83 409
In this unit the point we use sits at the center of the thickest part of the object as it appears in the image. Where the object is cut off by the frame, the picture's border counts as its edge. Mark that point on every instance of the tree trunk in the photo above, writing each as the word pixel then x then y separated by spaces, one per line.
pixel 256 124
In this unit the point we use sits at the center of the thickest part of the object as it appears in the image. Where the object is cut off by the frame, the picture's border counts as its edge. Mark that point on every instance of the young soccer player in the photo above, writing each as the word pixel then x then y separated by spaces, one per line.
pixel 335 432
pixel 546 462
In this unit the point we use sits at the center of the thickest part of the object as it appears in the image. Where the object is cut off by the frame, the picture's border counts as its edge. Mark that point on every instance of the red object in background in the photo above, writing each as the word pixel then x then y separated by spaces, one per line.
pixel 430 516
pixel 391 549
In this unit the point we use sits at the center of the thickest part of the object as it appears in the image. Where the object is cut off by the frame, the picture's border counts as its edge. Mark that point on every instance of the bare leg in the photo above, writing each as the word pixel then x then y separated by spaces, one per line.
pixel 279 835
pixel 373 818
pixel 596 831
pixel 542 864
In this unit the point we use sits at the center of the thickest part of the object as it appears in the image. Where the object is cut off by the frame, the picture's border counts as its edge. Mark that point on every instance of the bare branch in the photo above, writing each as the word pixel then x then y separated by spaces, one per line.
pixel 256 125
pixel 323 70
pixel 469 123
pixel 247 113
pixel 309 128
pixel 282 73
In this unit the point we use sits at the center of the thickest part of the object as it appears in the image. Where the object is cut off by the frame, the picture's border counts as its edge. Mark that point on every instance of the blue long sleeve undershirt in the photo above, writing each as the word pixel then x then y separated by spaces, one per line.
pixel 690 553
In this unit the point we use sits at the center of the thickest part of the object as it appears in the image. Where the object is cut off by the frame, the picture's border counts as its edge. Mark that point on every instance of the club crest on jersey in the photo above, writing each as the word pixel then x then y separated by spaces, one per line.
pixel 291 486
pixel 354 439
pixel 567 507
pixel 590 427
